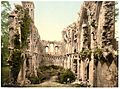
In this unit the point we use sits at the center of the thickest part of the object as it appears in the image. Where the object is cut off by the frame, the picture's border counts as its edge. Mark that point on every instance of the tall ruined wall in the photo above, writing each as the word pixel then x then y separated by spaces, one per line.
pixel 102 21
pixel 92 39
pixel 30 55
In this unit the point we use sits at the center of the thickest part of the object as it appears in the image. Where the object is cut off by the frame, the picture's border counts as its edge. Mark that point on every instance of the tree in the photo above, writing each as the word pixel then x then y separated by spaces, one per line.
pixel 116 11
pixel 5 8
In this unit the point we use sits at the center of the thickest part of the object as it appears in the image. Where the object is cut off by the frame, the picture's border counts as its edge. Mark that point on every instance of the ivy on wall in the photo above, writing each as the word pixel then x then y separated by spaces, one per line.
pixel 16 63
pixel 20 47
pixel 25 28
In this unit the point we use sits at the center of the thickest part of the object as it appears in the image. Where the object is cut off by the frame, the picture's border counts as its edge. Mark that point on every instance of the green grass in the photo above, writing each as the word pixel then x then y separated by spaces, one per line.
pixel 4 74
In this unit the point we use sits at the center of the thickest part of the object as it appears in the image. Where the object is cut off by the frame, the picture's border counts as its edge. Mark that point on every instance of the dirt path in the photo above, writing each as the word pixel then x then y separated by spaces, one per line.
pixel 50 83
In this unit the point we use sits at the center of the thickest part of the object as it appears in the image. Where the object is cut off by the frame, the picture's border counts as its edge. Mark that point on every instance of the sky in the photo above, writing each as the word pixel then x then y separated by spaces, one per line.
pixel 51 17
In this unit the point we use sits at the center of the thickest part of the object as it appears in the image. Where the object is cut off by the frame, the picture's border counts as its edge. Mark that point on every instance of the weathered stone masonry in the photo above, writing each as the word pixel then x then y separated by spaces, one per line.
pixel 52 53
pixel 93 34
pixel 31 54
pixel 88 47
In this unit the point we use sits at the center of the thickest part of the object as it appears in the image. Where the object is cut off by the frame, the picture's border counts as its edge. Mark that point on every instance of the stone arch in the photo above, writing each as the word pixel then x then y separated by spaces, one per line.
pixel 46 49
pixel 56 49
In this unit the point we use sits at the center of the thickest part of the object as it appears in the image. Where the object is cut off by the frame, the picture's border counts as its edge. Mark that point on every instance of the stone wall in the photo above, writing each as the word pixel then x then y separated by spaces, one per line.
pixel 52 53
pixel 88 47
pixel 91 37
pixel 31 55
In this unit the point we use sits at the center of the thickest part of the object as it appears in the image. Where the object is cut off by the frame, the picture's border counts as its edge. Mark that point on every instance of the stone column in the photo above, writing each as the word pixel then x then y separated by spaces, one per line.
pixel 71 62
pixel 78 69
pixel 82 70
pixel 22 73
pixel 65 63
pixel 68 62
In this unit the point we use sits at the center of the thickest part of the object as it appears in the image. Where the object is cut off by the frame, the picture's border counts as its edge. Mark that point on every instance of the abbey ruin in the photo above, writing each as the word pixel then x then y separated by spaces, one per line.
pixel 88 46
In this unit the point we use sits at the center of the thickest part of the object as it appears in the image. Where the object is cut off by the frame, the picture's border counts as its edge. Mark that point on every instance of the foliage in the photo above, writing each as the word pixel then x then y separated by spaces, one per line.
pixel 5 8
pixel 116 11
pixel 66 76
pixel 97 53
pixel 34 80
pixel 4 75
pixel 18 7
pixel 25 29
pixel 25 23
pixel 16 63
pixel 17 42
pixel 85 53
pixel 44 73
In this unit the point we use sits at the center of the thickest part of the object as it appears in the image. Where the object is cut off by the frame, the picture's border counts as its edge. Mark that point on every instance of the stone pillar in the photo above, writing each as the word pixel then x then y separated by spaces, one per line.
pixel 65 63
pixel 78 69
pixel 68 62
pixel 82 70
pixel 71 62
pixel 91 70
pixel 22 73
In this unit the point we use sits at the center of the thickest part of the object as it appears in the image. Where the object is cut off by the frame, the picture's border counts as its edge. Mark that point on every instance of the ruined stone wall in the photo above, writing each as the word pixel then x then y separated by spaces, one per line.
pixel 30 6
pixel 31 55
pixel 52 53
pixel 103 29
pixel 93 38
pixel 52 47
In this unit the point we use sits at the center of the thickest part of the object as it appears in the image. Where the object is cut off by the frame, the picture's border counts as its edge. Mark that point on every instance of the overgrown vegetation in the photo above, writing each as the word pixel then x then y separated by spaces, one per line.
pixel 5 8
pixel 97 53
pixel 45 73
pixel 66 76
pixel 19 48
pixel 15 59
pixel 85 53
pixel 4 75
pixel 16 63
pixel 25 28
pixel 116 11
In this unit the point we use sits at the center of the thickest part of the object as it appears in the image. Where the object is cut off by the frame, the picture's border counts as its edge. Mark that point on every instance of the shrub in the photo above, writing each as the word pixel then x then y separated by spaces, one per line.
pixel 34 80
pixel 44 73
pixel 66 76
pixel 4 75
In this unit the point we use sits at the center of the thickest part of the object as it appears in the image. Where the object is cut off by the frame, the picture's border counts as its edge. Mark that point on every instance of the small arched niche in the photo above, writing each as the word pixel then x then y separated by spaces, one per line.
pixel 46 49
pixel 56 49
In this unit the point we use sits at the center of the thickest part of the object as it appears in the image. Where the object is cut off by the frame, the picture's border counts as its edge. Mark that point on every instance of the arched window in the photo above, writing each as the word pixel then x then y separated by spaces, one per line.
pixel 46 49
pixel 56 48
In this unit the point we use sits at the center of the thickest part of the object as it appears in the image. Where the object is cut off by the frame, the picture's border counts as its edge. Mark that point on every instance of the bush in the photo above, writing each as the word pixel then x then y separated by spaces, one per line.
pixel 4 75
pixel 66 76
pixel 44 73
pixel 34 80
